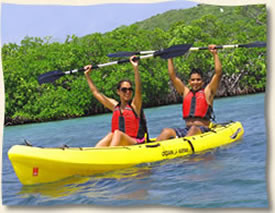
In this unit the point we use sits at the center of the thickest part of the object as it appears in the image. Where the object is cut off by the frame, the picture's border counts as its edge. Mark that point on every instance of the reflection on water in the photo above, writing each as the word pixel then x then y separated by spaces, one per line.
pixel 104 185
pixel 57 189
pixel 94 186
pixel 140 194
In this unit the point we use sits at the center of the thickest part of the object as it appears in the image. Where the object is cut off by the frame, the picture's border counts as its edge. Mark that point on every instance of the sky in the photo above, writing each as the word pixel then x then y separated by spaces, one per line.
pixel 59 21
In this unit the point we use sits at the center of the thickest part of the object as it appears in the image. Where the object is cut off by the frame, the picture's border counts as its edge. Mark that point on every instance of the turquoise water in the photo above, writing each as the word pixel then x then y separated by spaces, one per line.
pixel 231 176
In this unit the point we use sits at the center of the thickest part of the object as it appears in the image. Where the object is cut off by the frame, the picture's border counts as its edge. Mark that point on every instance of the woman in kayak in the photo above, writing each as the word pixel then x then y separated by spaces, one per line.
pixel 127 128
pixel 197 101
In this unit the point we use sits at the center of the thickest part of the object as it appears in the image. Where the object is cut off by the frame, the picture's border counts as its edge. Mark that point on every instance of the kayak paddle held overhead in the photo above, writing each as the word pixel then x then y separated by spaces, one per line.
pixel 173 51
pixel 51 76
pixel 127 54
pixel 249 45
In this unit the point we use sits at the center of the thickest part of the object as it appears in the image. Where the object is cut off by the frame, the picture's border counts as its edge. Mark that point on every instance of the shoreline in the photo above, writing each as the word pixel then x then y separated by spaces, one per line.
pixel 173 99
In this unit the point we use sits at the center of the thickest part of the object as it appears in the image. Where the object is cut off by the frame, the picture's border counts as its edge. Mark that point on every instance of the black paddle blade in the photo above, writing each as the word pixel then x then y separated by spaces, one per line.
pixel 173 51
pixel 50 76
pixel 122 54
pixel 254 44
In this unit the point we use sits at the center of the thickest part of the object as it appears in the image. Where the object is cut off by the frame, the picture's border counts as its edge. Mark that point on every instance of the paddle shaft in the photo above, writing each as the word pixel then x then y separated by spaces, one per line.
pixel 108 64
pixel 250 45
pixel 50 77
pixel 217 47
pixel 124 54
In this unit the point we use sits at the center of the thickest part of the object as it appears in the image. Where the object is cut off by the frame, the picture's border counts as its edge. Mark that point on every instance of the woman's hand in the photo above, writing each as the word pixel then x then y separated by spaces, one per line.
pixel 88 69
pixel 134 63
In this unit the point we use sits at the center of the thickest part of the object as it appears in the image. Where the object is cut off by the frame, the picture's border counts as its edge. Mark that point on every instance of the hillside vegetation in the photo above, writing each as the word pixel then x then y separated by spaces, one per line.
pixel 165 20
pixel 244 69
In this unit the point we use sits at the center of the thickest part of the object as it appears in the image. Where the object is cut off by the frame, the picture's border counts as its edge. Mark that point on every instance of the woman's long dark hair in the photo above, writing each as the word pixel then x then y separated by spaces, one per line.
pixel 124 80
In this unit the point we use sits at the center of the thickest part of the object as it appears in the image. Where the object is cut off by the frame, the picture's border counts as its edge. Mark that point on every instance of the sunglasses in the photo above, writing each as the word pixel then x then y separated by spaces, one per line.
pixel 124 89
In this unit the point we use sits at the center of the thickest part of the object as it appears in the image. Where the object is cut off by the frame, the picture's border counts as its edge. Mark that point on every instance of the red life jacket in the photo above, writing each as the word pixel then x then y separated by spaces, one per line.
pixel 127 122
pixel 196 106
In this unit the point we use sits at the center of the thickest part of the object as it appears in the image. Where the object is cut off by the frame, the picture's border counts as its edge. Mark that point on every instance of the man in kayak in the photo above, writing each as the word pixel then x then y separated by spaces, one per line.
pixel 127 125
pixel 197 101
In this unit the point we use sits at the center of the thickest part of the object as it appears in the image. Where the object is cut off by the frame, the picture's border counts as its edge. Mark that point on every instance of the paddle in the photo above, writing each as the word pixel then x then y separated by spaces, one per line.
pixel 170 52
pixel 51 76
pixel 128 54
pixel 173 51
pixel 250 45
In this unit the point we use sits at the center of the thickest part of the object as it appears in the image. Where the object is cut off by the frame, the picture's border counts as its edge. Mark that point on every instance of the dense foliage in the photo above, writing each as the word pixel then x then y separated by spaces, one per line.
pixel 27 101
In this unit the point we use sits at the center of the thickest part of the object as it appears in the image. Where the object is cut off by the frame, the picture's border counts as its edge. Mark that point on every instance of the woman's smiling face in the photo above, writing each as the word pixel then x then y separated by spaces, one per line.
pixel 125 91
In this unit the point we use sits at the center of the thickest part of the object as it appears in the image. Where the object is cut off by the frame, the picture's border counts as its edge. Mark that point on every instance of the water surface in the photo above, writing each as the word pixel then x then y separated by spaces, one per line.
pixel 231 176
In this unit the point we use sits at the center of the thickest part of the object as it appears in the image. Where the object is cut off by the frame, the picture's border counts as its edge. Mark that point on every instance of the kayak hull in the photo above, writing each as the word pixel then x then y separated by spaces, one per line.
pixel 35 165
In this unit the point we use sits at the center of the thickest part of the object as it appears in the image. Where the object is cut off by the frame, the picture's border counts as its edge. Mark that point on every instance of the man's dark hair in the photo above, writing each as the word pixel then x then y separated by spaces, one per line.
pixel 196 71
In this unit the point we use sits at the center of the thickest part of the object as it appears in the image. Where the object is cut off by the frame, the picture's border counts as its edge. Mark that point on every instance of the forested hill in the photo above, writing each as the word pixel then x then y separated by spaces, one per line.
pixel 165 20
pixel 244 69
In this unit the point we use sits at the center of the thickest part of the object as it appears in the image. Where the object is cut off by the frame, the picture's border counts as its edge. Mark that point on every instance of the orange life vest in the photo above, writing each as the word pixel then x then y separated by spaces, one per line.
pixel 127 122
pixel 196 106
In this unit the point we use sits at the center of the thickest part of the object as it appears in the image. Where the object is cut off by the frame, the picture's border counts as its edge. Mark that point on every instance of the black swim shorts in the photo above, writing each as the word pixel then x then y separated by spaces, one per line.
pixel 181 132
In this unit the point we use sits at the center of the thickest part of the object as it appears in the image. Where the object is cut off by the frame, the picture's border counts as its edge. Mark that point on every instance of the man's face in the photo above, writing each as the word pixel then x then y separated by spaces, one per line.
pixel 195 81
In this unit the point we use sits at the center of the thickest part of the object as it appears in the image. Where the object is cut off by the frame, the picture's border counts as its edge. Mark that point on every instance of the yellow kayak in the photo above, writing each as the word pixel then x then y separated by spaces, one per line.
pixel 35 165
